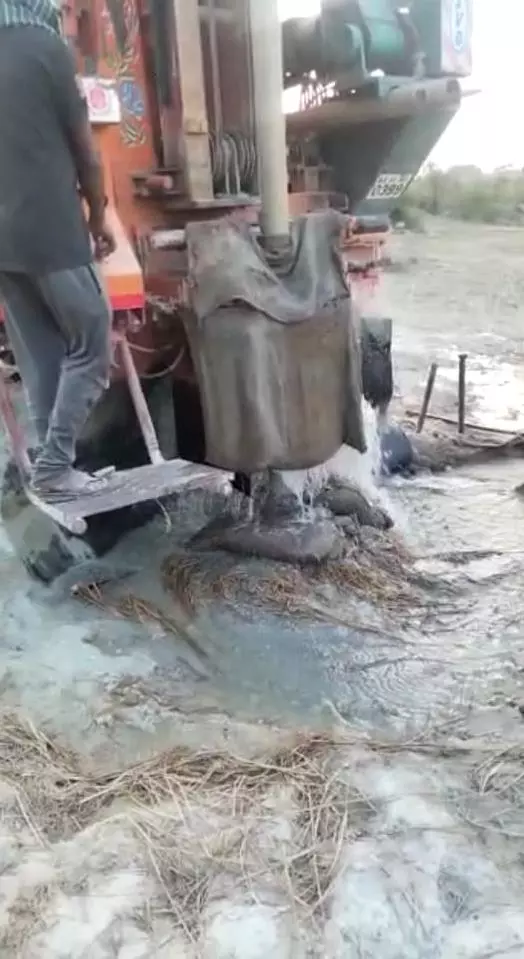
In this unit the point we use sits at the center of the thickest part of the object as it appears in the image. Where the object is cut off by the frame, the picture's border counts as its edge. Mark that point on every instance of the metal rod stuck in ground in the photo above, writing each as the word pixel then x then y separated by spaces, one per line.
pixel 427 397
pixel 462 392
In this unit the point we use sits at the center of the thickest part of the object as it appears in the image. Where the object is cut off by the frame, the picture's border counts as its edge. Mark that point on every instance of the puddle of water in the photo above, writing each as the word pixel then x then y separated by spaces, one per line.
pixel 495 391
pixel 274 666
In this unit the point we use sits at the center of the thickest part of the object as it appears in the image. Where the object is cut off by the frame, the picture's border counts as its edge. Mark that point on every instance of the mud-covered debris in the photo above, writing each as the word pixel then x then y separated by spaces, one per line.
pixel 345 500
pixel 299 542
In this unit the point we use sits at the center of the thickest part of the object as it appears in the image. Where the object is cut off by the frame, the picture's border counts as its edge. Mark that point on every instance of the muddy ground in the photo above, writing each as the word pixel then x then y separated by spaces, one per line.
pixel 430 864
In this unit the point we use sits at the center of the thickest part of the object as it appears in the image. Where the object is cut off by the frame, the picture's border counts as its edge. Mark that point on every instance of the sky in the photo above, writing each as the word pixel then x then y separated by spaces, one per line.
pixel 489 129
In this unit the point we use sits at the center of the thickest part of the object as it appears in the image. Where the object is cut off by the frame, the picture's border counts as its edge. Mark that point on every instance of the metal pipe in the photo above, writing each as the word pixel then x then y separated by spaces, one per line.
pixel 194 126
pixel 270 122
pixel 462 392
pixel 13 430
pixel 427 397
pixel 139 401
pixel 472 426
pixel 215 67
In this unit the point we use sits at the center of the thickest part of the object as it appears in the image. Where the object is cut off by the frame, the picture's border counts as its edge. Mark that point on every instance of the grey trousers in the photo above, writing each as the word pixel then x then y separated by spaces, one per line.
pixel 58 326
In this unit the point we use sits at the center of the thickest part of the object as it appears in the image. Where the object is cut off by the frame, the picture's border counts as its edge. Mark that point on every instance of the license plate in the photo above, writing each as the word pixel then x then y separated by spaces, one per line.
pixel 389 186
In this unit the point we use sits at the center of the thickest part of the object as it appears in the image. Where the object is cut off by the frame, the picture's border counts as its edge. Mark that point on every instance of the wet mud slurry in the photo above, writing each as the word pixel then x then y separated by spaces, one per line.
pixel 267 665
pixel 421 644
pixel 434 867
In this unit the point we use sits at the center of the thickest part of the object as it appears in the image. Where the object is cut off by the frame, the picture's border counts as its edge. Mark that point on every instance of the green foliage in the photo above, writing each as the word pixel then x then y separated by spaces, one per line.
pixel 465 193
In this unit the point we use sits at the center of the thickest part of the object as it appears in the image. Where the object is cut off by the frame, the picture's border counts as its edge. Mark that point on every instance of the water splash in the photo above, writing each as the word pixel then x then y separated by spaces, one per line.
pixel 361 470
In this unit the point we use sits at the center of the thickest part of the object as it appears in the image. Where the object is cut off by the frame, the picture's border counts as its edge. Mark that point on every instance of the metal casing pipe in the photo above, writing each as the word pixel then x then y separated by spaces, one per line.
pixel 270 122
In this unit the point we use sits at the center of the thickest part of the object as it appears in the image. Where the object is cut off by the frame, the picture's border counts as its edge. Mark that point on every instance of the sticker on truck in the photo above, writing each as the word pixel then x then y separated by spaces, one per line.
pixel 459 29
pixel 456 34
pixel 389 186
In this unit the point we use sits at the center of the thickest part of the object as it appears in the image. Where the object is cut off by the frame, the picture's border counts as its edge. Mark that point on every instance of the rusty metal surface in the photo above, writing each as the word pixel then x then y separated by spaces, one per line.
pixel 194 130
pixel 227 65
pixel 404 101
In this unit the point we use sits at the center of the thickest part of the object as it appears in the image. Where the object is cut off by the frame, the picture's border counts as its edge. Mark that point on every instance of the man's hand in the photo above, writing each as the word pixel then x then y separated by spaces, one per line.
pixel 103 239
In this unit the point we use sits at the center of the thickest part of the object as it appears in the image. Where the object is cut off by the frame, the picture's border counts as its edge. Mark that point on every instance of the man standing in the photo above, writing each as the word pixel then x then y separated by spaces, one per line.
pixel 56 314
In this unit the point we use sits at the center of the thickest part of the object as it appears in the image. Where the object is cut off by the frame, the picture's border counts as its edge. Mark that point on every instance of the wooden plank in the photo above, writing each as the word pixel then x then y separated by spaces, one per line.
pixel 195 128
pixel 127 487
pixel 75 524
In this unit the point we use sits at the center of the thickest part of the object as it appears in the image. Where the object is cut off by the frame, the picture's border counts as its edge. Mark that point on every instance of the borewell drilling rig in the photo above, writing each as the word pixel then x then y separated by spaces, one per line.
pixel 241 232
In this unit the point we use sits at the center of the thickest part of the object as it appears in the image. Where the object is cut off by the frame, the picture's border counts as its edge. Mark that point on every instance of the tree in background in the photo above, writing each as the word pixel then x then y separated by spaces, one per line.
pixel 466 193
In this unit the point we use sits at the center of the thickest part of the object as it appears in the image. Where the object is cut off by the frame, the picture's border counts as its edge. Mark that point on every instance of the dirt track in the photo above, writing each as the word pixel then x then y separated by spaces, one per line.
pixel 426 860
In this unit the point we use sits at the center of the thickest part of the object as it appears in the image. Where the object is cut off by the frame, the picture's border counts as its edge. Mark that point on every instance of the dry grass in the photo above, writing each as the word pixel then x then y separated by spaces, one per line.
pixel 138 610
pixel 496 802
pixel 25 919
pixel 199 816
pixel 126 607
pixel 379 573
pixel 190 581
pixel 208 823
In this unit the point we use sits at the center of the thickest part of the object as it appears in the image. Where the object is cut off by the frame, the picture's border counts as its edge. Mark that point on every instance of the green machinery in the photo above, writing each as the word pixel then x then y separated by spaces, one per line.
pixel 354 39
pixel 380 82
